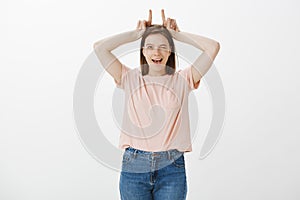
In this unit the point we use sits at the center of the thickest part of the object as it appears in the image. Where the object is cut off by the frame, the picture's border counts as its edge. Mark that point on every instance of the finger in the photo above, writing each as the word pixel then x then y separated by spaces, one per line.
pixel 163 16
pixel 172 24
pixel 176 26
pixel 144 24
pixel 168 23
pixel 138 24
pixel 150 18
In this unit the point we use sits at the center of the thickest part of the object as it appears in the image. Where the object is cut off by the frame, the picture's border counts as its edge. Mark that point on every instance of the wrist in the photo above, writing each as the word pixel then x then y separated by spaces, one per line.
pixel 139 33
pixel 173 33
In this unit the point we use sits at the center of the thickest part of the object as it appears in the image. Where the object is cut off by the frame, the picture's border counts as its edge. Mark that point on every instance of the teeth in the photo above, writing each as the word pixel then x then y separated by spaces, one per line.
pixel 157 60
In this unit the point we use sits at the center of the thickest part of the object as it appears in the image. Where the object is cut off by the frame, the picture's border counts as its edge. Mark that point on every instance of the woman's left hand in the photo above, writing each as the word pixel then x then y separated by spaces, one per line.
pixel 169 23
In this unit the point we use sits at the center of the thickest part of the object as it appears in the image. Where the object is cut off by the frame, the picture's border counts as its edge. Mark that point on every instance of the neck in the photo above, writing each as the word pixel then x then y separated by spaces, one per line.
pixel 157 73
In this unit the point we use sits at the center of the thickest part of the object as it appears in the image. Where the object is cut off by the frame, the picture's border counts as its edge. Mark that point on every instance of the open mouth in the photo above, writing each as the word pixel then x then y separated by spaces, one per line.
pixel 157 61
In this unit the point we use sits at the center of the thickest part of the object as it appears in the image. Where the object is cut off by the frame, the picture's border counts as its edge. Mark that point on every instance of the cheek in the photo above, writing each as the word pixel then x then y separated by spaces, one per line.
pixel 143 52
pixel 167 55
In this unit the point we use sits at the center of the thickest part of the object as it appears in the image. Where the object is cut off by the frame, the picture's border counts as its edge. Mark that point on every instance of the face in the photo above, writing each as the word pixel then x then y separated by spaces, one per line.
pixel 156 51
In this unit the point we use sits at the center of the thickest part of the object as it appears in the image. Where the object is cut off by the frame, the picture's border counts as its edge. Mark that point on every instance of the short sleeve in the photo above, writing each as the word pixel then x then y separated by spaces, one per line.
pixel 186 74
pixel 124 77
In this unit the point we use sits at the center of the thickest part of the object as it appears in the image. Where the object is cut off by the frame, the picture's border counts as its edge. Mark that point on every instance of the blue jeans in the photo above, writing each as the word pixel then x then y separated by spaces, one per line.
pixel 153 175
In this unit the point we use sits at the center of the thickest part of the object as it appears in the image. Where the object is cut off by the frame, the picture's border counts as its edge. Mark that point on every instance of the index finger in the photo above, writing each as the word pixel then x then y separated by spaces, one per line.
pixel 150 17
pixel 163 15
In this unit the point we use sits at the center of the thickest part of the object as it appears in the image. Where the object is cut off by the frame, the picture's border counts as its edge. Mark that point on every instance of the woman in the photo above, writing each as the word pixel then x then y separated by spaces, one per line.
pixel 155 129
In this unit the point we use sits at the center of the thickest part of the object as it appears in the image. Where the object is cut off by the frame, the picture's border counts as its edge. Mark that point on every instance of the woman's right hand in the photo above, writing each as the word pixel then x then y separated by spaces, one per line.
pixel 142 24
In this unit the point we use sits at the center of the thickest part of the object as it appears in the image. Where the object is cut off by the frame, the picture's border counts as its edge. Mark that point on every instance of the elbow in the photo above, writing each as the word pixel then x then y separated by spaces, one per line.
pixel 213 50
pixel 217 46
pixel 98 44
pixel 95 45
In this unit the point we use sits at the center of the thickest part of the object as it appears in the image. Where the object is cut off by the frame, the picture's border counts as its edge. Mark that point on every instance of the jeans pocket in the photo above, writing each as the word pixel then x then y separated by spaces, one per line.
pixel 127 157
pixel 179 162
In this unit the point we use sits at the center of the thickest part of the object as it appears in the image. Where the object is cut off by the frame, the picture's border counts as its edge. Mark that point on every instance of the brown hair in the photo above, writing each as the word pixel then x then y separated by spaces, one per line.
pixel 158 29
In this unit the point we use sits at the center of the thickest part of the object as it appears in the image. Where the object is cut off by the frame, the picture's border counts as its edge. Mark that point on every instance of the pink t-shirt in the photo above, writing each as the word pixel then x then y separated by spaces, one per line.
pixel 156 114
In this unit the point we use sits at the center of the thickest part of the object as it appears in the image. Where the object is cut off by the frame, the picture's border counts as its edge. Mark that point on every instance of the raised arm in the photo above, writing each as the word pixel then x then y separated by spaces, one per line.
pixel 209 47
pixel 104 47
pixel 108 60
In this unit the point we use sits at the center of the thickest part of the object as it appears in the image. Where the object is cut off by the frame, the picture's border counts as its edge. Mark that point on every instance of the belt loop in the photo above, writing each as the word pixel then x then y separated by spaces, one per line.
pixel 169 156
pixel 134 154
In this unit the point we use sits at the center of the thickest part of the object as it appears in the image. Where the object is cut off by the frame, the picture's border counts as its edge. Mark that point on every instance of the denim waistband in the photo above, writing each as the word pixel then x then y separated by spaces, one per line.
pixel 158 153
pixel 140 161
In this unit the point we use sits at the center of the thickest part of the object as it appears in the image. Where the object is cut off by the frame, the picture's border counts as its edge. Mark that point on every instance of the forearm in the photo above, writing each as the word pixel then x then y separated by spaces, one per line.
pixel 104 47
pixel 207 45
pixel 113 42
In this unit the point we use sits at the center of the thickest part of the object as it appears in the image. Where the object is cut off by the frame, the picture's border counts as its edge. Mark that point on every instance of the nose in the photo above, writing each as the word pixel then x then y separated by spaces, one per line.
pixel 156 51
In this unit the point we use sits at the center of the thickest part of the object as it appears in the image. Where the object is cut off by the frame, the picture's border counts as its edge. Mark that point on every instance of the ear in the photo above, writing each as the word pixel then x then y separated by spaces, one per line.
pixel 169 52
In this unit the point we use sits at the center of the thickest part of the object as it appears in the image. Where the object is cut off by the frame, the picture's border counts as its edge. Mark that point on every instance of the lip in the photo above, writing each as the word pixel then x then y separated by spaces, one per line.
pixel 157 60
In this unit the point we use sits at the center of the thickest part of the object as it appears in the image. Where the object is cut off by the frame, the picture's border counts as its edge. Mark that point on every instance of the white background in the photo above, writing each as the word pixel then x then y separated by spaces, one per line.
pixel 44 43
